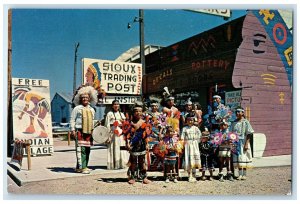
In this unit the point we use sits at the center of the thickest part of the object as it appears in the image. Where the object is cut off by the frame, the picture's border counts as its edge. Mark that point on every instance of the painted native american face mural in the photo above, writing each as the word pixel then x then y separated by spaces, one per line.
pixel 263 68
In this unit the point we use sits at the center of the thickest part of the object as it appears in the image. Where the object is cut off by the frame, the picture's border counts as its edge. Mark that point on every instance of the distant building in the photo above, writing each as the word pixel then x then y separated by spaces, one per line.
pixel 133 54
pixel 61 107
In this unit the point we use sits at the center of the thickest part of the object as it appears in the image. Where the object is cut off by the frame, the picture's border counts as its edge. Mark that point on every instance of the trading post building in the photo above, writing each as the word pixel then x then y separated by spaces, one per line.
pixel 249 62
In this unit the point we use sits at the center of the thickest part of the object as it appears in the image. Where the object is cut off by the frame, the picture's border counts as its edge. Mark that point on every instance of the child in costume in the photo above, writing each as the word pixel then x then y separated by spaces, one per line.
pixel 155 122
pixel 191 136
pixel 137 145
pixel 243 159
pixel 225 149
pixel 206 154
pixel 170 141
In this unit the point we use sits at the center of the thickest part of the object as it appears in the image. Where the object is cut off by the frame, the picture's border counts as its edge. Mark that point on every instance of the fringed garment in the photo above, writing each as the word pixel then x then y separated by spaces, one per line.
pixel 242 159
pixel 191 136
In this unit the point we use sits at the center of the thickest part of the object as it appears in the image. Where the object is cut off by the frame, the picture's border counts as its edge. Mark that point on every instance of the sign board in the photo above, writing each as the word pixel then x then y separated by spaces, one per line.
pixel 32 114
pixel 121 99
pixel 218 12
pixel 233 99
pixel 113 76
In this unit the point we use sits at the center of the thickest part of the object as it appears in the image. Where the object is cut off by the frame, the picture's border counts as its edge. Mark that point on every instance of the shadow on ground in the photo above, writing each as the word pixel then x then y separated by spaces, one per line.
pixel 72 170
pixel 125 180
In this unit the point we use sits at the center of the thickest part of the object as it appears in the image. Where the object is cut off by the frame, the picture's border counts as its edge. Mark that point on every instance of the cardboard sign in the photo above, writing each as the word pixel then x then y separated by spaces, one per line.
pixel 32 114
pixel 233 98
pixel 113 76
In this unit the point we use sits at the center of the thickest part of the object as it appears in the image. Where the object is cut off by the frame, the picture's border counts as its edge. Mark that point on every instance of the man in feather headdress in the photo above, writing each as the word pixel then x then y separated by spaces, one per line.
pixel 82 126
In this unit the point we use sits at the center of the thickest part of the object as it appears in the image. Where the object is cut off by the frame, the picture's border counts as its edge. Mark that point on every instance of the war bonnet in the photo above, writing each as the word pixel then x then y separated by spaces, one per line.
pixel 91 91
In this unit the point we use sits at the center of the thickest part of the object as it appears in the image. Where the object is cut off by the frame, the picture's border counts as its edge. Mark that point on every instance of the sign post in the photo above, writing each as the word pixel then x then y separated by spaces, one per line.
pixel 27 147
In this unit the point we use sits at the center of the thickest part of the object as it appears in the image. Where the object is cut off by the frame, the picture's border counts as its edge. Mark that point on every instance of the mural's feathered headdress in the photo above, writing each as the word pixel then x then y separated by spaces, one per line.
pixel 91 91
pixel 18 90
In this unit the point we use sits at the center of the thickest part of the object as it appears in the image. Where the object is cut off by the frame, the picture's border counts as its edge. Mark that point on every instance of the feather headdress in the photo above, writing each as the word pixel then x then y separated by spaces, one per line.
pixel 189 101
pixel 91 91
pixel 167 94
pixel 154 99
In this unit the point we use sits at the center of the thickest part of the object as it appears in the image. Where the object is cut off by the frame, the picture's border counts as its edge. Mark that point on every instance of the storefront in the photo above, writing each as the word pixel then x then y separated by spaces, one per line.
pixel 251 55
pixel 193 67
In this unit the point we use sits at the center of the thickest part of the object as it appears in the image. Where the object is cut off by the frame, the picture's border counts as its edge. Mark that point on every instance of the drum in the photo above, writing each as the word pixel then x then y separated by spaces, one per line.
pixel 101 134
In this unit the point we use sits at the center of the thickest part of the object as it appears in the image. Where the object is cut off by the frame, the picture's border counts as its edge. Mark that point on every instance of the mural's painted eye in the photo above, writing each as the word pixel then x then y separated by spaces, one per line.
pixel 256 42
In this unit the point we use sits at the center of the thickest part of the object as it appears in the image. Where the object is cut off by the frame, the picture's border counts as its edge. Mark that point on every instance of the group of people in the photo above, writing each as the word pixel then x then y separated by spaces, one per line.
pixel 176 135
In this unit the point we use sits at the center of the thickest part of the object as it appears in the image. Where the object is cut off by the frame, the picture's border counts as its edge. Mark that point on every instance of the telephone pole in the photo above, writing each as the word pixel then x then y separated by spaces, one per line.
pixel 142 40
pixel 140 19
pixel 75 65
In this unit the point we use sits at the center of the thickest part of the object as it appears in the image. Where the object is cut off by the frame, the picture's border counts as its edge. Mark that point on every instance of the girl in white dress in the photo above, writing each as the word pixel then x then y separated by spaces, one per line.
pixel 191 136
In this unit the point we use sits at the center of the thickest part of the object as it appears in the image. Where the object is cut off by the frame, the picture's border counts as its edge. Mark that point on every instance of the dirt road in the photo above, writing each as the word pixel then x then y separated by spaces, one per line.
pixel 261 181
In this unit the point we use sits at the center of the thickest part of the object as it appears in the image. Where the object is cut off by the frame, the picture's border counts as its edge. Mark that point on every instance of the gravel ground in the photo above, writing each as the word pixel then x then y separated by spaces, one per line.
pixel 261 181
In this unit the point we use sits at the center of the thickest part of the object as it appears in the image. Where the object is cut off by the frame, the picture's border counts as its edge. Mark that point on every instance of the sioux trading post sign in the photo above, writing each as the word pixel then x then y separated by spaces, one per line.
pixel 32 114
pixel 113 76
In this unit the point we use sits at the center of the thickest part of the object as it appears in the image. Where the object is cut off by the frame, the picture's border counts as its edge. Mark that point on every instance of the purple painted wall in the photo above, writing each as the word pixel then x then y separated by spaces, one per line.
pixel 267 96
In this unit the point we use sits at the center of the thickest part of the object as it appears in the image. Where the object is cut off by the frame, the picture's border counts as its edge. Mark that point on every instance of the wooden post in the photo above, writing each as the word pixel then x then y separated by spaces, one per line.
pixel 69 138
pixel 28 150
pixel 9 91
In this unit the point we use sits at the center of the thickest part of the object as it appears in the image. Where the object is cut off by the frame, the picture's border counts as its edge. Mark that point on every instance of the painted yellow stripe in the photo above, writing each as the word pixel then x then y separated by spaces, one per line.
pixel 269 79
pixel 249 114
pixel 267 82
pixel 271 75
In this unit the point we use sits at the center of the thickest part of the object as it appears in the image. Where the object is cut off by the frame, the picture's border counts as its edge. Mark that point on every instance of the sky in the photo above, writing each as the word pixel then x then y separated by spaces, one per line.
pixel 43 40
